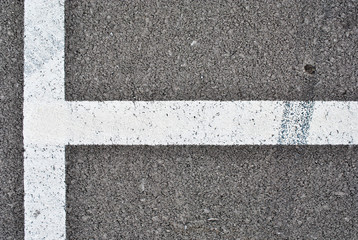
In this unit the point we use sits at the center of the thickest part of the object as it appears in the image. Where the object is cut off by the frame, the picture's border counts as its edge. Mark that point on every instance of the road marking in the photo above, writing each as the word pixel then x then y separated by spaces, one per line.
pixel 44 164
pixel 296 121
pixel 50 122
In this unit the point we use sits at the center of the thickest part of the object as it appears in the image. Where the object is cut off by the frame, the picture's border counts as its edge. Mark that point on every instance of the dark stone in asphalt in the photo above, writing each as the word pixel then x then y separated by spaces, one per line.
pixel 310 69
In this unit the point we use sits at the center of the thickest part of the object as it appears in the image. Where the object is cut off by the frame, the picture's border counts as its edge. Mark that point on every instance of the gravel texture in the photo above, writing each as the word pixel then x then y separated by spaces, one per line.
pixel 212 192
pixel 211 50
pixel 11 147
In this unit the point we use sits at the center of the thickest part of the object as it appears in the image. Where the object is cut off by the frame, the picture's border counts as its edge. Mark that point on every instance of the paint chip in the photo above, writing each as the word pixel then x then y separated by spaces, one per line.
pixel 194 43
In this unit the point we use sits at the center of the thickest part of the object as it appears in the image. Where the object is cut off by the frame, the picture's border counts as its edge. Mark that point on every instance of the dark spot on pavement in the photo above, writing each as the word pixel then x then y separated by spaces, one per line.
pixel 37 213
pixel 310 69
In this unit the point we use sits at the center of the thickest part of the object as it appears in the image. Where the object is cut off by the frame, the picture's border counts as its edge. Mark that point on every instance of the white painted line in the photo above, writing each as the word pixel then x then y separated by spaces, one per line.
pixel 45 192
pixel 50 122
pixel 193 122
pixel 153 123
pixel 334 123
pixel 44 164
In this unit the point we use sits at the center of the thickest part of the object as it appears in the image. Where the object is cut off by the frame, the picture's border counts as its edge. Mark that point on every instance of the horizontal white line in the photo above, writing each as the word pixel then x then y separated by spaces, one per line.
pixel 334 123
pixel 189 122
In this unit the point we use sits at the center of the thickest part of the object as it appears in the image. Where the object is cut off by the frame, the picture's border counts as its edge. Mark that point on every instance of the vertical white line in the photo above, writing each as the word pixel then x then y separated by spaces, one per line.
pixel 45 193
pixel 44 51
pixel 44 165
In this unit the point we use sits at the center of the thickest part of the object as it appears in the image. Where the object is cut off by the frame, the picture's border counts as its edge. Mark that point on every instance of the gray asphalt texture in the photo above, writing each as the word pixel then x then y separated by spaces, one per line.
pixel 11 98
pixel 212 192
pixel 211 50
pixel 194 50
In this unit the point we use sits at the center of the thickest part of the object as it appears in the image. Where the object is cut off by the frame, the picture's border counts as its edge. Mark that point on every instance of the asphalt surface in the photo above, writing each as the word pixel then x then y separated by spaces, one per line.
pixel 211 50
pixel 191 50
pixel 11 97
pixel 212 192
